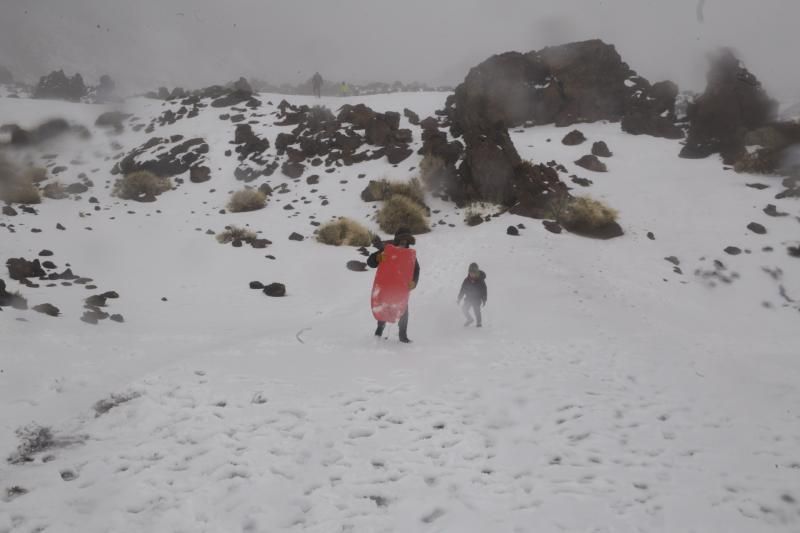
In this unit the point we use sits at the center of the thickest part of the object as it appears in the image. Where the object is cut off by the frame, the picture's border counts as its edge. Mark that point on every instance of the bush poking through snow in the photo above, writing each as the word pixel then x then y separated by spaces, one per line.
pixel 430 169
pixel 247 200
pixel 17 187
pixel 21 193
pixel 557 206
pixel 344 231
pixel 33 439
pixel 142 186
pixel 35 174
pixel 587 214
pixel 106 404
pixel 385 190
pixel 15 492
pixel 235 233
pixel 402 212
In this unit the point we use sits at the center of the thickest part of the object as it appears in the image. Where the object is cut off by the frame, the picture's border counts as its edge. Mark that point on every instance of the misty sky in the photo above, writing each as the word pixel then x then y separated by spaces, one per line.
pixel 145 43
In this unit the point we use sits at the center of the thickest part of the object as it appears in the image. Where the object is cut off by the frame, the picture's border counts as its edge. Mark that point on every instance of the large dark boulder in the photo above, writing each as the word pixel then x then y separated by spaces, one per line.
pixel 277 290
pixel 591 162
pixel 20 269
pixel 650 110
pixel 199 174
pixel 47 309
pixel 284 140
pixel 733 103
pixel 565 85
pixel 573 138
pixel 600 149
pixel 359 115
pixel 57 85
pixel 589 78
pixel 488 168
pixel 578 82
pixel 378 131
pixel 293 170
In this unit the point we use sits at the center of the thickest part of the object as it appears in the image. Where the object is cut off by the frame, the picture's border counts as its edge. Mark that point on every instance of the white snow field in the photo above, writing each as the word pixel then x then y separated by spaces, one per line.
pixel 605 393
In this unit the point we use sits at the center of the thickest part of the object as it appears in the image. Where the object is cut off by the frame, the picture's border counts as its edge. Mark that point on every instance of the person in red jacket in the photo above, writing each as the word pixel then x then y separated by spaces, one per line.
pixel 474 293
pixel 404 239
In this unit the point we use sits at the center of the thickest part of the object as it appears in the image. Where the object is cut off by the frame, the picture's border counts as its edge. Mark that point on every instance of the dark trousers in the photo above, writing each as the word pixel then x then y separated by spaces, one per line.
pixel 403 326
pixel 475 305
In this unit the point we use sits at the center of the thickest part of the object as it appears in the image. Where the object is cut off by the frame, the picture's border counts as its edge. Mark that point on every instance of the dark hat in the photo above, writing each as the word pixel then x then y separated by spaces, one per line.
pixel 473 267
pixel 403 234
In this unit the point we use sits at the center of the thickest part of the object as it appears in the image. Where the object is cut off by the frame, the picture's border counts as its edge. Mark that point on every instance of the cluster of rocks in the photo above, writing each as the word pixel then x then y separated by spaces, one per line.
pixel 589 161
pixel 11 212
pixel 164 157
pixel 320 138
pixel 251 151
pixel 238 92
pixel 95 308
pixel 276 290
pixel 24 271
pixel 191 103
pixel 588 82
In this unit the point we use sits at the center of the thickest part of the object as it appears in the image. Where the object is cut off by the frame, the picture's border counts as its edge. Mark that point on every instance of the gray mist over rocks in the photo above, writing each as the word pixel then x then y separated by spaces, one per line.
pixel 199 42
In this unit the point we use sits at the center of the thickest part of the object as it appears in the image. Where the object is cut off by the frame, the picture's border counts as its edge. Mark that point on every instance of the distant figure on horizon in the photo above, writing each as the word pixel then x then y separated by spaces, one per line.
pixel 344 89
pixel 316 83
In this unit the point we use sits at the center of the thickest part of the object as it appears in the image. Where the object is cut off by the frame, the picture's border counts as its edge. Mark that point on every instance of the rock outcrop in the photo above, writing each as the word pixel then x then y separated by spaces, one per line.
pixel 733 104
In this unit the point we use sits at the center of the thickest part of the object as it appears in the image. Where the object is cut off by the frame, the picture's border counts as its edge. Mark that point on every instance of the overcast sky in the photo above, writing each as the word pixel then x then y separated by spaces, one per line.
pixel 144 43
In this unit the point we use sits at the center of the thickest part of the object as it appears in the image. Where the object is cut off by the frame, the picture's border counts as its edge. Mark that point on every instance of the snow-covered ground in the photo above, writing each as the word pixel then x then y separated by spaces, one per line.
pixel 606 392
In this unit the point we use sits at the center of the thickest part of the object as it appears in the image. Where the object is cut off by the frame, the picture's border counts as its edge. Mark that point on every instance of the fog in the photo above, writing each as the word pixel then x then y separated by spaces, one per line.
pixel 148 43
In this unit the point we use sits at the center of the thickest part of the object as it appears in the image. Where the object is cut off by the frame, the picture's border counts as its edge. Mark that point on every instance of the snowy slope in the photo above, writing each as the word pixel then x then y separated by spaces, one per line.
pixel 606 392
